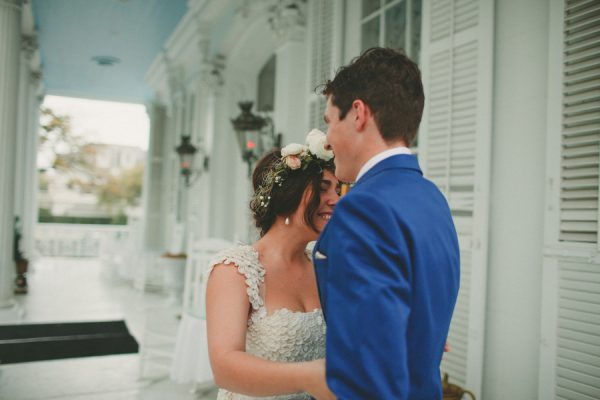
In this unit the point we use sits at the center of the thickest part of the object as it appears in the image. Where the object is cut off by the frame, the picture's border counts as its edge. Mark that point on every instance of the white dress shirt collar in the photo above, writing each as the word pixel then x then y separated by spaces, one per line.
pixel 379 157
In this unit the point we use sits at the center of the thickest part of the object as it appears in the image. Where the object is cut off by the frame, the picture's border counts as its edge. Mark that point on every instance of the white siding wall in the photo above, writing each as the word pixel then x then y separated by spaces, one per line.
pixel 517 188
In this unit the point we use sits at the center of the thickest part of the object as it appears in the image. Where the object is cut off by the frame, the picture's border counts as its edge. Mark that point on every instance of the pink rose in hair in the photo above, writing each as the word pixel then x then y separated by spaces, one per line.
pixel 293 162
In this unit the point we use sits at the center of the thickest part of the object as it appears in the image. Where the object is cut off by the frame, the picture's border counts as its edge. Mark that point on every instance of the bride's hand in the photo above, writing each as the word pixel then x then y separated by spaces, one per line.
pixel 317 386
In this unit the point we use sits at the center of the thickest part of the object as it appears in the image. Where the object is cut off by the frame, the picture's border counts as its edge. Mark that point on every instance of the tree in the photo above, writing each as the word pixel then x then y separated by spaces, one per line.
pixel 71 152
pixel 125 189
pixel 76 163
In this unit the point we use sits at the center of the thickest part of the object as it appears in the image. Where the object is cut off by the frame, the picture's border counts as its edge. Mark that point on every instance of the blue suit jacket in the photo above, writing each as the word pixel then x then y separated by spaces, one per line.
pixel 387 266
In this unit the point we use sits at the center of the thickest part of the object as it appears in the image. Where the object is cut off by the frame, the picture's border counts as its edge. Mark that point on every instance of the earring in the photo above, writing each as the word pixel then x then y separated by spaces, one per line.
pixel 287 220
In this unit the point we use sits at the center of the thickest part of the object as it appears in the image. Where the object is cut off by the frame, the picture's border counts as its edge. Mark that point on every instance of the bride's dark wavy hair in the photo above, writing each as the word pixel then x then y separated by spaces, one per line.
pixel 285 199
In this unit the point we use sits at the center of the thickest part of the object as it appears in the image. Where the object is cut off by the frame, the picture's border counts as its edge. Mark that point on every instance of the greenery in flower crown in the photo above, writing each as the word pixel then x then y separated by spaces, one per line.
pixel 294 157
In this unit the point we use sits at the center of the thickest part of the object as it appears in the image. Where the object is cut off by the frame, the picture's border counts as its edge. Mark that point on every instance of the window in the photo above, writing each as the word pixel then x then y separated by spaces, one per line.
pixel 392 23
pixel 266 86
pixel 323 46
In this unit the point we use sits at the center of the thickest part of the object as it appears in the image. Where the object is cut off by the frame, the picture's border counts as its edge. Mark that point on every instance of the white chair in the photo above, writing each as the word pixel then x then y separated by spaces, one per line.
pixel 129 250
pixel 149 274
pixel 160 324
pixel 190 361
pixel 157 344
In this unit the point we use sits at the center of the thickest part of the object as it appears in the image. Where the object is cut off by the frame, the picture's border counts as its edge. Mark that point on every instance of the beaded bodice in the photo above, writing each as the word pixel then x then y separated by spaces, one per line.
pixel 283 335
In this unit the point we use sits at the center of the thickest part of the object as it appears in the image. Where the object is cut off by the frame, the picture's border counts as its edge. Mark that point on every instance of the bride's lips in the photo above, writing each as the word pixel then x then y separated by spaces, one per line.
pixel 325 215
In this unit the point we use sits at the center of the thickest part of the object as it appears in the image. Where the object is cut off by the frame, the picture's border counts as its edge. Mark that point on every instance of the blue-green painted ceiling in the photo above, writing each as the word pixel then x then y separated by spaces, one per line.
pixel 73 32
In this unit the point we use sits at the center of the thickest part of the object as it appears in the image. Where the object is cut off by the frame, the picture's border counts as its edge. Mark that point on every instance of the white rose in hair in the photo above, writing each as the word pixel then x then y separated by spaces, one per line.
pixel 316 141
pixel 313 136
pixel 292 149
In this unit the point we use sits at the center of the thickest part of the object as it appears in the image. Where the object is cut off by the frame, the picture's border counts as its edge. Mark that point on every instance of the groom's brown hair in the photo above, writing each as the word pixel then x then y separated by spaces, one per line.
pixel 389 83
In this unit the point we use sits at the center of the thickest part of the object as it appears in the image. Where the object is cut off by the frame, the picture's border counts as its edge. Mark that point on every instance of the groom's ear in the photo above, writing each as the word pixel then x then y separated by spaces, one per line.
pixel 361 114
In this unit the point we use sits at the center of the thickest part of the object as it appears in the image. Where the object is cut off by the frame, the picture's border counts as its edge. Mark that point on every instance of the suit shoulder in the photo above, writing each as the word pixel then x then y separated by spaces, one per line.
pixel 357 196
pixel 398 180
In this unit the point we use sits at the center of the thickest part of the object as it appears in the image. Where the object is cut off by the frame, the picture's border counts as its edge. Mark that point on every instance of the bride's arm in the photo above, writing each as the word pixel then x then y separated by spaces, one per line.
pixel 227 308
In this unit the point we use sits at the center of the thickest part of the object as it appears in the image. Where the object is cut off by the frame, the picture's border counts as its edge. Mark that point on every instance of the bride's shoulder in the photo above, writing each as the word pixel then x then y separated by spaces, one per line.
pixel 245 259
pixel 242 256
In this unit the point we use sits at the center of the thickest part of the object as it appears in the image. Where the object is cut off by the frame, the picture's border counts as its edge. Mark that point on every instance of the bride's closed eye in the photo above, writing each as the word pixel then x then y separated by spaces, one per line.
pixel 326 184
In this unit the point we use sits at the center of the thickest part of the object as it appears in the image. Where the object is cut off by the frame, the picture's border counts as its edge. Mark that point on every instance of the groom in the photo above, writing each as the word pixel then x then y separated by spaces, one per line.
pixel 387 262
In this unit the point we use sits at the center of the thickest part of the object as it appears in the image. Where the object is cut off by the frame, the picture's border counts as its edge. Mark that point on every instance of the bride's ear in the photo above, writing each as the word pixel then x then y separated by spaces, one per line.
pixel 360 114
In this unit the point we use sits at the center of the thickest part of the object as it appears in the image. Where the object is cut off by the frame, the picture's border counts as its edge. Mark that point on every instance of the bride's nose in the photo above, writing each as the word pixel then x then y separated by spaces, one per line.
pixel 333 198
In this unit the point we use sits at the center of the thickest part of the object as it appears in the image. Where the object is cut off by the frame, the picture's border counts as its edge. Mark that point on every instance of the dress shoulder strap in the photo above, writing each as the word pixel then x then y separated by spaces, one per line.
pixel 245 259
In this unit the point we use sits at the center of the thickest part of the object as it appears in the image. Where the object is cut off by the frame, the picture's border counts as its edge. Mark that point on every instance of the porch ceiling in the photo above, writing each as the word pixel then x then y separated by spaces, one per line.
pixel 73 32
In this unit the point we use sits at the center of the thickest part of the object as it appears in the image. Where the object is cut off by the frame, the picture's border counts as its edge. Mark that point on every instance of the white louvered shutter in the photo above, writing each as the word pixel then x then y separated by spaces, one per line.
pixel 570 352
pixel 321 53
pixel 454 151
pixel 577 364
pixel 578 334
pixel 581 122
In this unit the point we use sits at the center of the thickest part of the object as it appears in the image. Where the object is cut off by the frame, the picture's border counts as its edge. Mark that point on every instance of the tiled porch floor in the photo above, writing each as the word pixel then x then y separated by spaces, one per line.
pixel 66 290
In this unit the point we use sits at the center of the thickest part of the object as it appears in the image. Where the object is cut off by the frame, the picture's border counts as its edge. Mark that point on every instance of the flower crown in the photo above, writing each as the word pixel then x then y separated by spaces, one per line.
pixel 294 157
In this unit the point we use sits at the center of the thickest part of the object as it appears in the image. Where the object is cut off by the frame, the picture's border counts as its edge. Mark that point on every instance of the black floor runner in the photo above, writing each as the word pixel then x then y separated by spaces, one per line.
pixel 37 342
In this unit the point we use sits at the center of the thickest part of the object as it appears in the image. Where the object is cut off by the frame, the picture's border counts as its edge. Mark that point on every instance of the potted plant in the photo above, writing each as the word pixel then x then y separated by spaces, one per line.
pixel 454 392
pixel 451 391
pixel 21 263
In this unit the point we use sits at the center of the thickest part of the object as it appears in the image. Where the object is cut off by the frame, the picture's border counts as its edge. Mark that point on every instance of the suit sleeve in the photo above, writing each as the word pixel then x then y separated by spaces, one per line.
pixel 368 302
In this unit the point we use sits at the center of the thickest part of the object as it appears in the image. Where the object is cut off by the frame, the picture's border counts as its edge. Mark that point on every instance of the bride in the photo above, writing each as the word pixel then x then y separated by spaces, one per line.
pixel 266 332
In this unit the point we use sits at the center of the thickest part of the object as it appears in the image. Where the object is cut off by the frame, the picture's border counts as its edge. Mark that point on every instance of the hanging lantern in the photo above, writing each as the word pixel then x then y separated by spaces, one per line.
pixel 186 151
pixel 249 130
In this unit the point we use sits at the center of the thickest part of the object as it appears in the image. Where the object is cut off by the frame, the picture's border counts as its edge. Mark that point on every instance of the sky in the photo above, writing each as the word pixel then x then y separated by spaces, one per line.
pixel 104 121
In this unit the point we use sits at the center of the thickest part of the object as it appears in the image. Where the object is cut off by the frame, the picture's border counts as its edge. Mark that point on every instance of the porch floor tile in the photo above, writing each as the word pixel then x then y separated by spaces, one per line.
pixel 68 290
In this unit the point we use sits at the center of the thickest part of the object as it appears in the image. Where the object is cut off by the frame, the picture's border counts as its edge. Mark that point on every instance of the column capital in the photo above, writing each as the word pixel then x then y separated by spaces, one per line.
pixel 212 73
pixel 29 45
pixel 150 107
pixel 203 46
pixel 287 20
pixel 174 82
pixel 14 4
pixel 202 34
pixel 35 77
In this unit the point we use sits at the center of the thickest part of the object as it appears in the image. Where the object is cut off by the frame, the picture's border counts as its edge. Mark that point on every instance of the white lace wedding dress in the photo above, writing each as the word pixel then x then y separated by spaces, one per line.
pixel 284 335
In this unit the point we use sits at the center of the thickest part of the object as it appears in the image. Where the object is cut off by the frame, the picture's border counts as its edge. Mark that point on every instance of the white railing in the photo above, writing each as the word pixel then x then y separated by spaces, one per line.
pixel 78 240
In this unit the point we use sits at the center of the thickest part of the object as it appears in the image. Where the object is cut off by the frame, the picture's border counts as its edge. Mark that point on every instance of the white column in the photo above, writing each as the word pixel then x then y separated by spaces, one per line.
pixel 211 84
pixel 30 211
pixel 171 169
pixel 512 331
pixel 22 114
pixel 10 40
pixel 25 154
pixel 153 179
pixel 225 169
pixel 195 198
pixel 288 26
